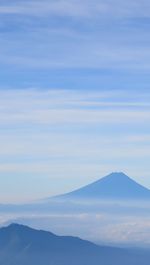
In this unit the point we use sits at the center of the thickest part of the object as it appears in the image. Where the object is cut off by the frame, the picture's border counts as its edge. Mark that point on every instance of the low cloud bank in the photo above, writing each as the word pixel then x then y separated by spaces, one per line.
pixel 123 225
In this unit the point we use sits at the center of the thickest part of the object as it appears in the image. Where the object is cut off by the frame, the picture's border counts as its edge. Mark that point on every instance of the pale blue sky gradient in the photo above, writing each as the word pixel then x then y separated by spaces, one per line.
pixel 74 94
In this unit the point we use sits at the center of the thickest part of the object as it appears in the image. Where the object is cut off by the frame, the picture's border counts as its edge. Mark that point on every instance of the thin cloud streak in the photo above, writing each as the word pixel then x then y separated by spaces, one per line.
pixel 78 9
pixel 39 23
pixel 63 109
pixel 71 136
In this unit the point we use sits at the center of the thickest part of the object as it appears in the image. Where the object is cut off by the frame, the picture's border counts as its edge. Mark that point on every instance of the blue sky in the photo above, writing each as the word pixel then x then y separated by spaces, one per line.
pixel 74 94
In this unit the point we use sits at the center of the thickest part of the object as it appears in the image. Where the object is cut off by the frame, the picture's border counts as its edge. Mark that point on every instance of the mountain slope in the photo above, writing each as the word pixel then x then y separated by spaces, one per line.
pixel 114 186
pixel 21 245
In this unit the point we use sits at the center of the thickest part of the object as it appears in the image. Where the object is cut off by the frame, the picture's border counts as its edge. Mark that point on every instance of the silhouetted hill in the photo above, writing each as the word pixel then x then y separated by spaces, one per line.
pixel 21 245
pixel 114 186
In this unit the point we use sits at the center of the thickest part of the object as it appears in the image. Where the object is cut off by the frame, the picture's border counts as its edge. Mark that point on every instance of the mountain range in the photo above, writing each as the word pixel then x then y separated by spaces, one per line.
pixel 21 245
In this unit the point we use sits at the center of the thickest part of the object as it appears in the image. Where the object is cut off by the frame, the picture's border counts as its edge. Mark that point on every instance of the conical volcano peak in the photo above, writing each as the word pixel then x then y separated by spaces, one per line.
pixel 116 185
pixel 117 176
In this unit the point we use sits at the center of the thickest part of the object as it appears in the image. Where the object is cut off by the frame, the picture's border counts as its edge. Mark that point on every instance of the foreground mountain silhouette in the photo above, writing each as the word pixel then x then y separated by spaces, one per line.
pixel 114 186
pixel 21 245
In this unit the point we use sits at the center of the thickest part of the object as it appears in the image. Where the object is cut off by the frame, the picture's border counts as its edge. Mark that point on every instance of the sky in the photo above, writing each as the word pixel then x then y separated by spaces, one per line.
pixel 74 94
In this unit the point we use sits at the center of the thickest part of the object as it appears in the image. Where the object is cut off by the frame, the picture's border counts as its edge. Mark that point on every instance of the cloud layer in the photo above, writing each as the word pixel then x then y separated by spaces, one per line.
pixel 111 36
pixel 50 137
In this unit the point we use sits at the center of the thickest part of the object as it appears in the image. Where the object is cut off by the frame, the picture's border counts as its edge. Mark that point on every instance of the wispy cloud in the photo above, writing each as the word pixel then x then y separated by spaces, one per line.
pixel 62 107
pixel 72 135
pixel 100 228
pixel 53 41
pixel 77 8
pixel 37 8
pixel 89 45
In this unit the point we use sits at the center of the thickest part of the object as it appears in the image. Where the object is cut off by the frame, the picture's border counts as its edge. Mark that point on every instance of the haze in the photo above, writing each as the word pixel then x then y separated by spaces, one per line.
pixel 74 95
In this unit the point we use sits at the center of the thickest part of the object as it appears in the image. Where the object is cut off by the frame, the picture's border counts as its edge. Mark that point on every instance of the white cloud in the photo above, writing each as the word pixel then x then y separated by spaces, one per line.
pixel 74 136
pixel 101 228
pixel 62 107
pixel 122 45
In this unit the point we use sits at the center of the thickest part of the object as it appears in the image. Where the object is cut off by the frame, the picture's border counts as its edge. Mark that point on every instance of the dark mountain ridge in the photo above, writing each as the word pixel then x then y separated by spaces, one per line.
pixel 21 245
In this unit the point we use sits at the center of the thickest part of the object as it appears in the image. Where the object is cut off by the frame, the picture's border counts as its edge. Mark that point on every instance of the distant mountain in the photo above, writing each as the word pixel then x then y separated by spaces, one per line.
pixel 117 186
pixel 21 245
